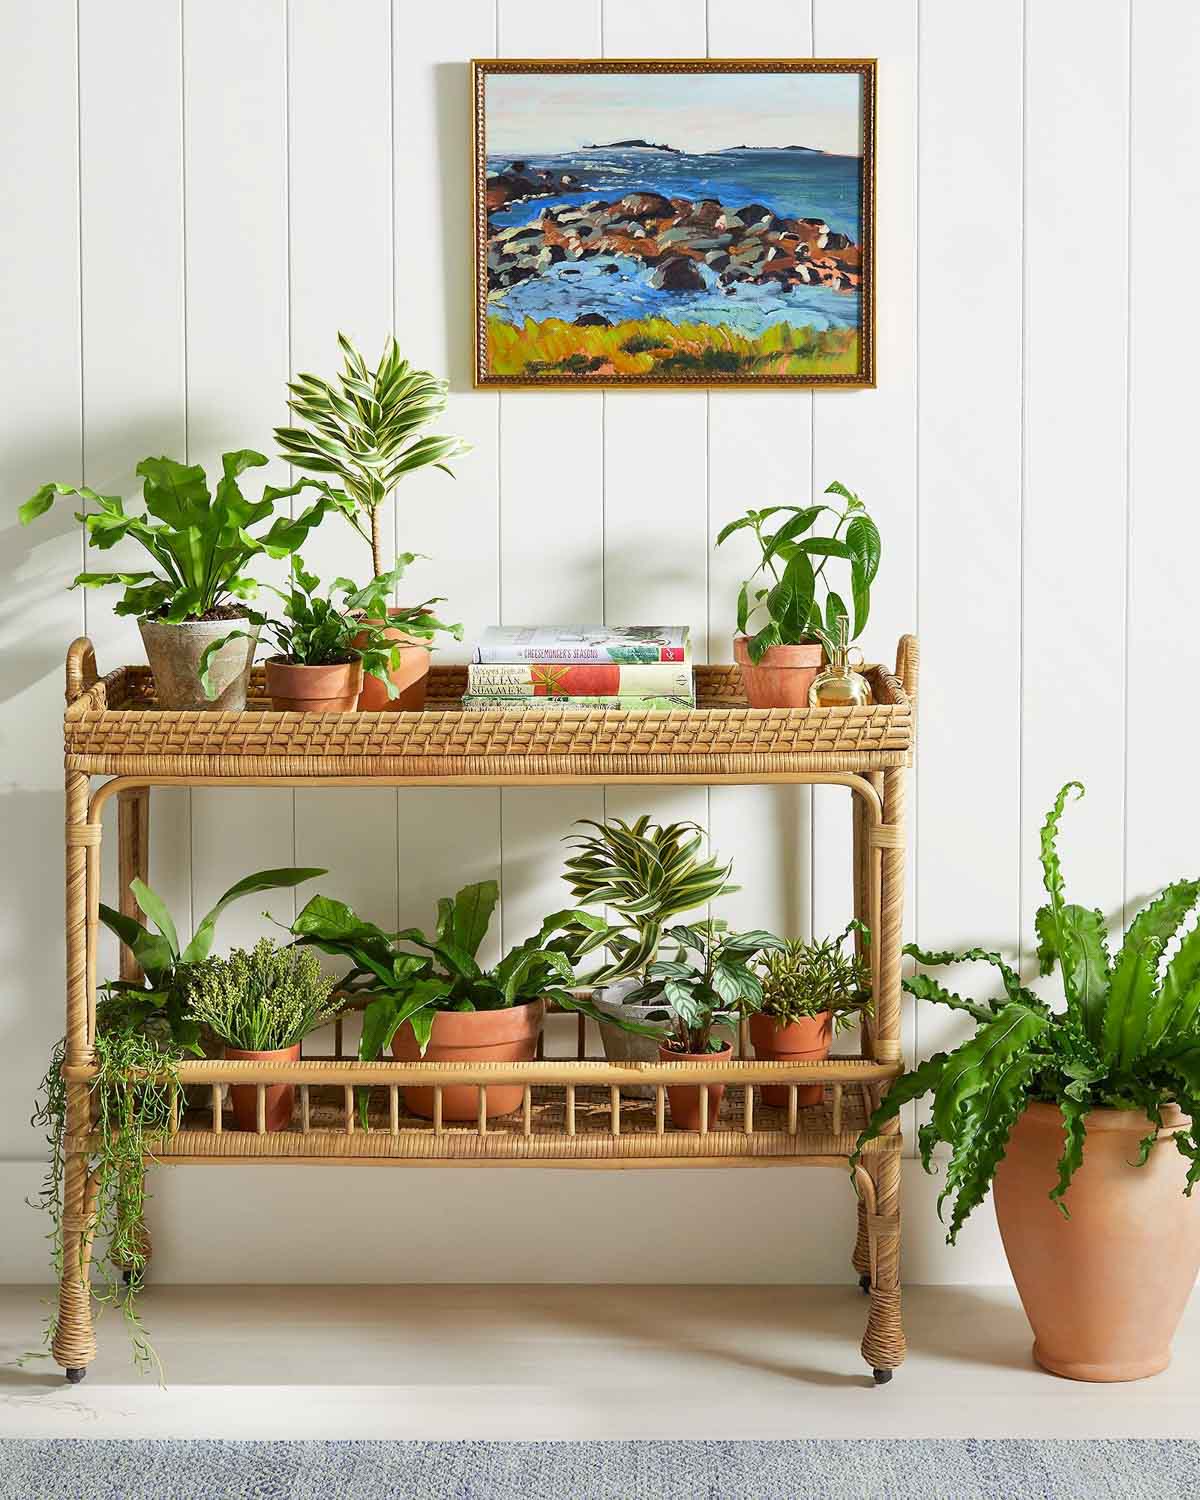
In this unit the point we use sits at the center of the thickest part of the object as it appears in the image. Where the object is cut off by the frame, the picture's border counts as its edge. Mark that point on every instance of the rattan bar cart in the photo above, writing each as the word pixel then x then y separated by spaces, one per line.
pixel 574 1113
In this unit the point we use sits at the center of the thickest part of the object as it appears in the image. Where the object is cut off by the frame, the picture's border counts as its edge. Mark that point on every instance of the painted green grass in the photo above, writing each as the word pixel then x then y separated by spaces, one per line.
pixel 655 346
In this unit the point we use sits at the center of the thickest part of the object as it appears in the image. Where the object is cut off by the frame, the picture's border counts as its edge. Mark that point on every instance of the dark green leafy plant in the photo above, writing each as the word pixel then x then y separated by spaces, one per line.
pixel 200 543
pixel 788 609
pixel 809 978
pixel 711 989
pixel 364 431
pixel 160 1001
pixel 646 873
pixel 264 1000
pixel 317 632
pixel 1128 1038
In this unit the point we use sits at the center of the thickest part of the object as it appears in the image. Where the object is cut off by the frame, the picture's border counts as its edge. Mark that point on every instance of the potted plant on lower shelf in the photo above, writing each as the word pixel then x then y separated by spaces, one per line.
pixel 709 984
pixel 261 1005
pixel 786 629
pixel 809 991
pixel 1085 1121
pixel 201 546
pixel 645 874
pixel 439 1004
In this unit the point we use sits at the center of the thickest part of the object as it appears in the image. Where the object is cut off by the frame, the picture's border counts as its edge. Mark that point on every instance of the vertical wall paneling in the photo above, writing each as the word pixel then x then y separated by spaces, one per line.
pixel 1076 150
pixel 40 439
pixel 760 454
pixel 1162 818
pixel 235 181
pixel 970 450
pixel 132 285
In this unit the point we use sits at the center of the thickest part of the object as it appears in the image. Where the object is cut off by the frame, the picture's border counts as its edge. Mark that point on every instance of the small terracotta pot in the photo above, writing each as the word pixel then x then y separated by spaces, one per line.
pixel 281 1097
pixel 410 676
pixel 174 653
pixel 1103 1290
pixel 782 678
pixel 806 1040
pixel 472 1036
pixel 684 1099
pixel 332 689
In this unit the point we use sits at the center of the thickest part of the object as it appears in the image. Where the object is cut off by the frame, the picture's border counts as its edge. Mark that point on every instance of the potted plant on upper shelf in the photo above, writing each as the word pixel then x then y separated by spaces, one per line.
pixel 322 648
pixel 809 991
pixel 363 431
pixel 201 545
pixel 695 994
pixel 645 873
pixel 1086 1121
pixel 786 629
pixel 262 1005
pixel 441 1004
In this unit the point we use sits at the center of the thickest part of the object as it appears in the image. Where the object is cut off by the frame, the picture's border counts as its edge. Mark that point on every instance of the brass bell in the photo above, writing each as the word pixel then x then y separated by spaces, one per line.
pixel 839 685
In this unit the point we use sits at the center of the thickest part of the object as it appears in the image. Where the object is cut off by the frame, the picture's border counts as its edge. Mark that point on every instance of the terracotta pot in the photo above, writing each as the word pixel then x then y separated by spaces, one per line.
pixel 782 678
pixel 410 676
pixel 1104 1289
pixel 806 1040
pixel 281 1097
pixel 174 653
pixel 684 1099
pixel 332 689
pixel 472 1036
pixel 626 1046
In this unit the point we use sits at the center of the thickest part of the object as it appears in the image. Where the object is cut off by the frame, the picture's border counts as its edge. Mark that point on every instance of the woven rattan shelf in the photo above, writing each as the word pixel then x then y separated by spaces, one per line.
pixel 580 1111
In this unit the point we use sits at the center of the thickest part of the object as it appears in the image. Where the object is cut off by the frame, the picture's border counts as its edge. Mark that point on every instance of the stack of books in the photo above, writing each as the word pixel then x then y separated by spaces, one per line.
pixel 581 666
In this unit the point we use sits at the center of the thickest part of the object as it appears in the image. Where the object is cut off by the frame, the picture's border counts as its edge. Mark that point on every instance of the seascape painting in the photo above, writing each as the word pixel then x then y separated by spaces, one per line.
pixel 674 223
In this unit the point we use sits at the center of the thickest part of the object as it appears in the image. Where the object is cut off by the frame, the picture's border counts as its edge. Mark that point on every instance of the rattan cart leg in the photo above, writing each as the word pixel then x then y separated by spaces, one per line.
pixel 861 1259
pixel 133 861
pixel 883 1345
pixel 74 1344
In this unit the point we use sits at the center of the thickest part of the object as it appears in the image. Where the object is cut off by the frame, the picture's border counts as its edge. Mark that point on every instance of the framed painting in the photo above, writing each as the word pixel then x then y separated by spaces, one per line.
pixel 674 223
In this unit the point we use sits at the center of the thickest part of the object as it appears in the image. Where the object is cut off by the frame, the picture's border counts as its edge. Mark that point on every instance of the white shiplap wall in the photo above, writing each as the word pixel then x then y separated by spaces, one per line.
pixel 202 192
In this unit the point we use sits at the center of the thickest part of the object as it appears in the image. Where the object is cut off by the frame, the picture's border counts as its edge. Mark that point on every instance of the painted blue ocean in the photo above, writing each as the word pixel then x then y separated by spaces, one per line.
pixel 791 184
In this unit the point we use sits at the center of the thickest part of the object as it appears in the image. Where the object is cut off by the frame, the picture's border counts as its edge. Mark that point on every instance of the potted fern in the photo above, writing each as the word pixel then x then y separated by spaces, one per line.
pixel 364 433
pixel 1085 1119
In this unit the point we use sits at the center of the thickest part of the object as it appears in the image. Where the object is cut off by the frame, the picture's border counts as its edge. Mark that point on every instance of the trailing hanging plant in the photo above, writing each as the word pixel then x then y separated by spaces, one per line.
pixel 796 605
pixel 811 978
pixel 1128 1038
pixel 364 432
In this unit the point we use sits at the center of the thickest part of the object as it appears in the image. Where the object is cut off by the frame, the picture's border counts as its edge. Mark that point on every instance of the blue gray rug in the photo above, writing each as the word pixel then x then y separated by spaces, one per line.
pixel 886 1469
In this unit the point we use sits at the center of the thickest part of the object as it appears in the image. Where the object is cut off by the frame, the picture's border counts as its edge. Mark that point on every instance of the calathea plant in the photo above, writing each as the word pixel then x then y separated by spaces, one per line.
pixel 710 982
pixel 1128 1038
pixel 794 604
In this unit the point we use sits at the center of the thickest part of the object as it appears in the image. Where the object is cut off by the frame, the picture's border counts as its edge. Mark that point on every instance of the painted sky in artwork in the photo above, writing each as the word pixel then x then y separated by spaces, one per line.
pixel 696 112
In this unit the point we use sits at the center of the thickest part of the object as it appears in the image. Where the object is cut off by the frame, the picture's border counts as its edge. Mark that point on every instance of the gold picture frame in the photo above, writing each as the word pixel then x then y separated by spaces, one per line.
pixel 830 353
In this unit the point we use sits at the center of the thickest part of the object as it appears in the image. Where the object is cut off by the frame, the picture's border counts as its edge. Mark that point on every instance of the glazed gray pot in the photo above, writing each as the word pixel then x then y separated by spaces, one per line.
pixel 625 1046
pixel 174 653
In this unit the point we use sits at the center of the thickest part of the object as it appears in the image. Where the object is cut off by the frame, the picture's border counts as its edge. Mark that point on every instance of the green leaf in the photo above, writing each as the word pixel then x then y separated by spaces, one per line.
pixel 1074 1113
pixel 982 1139
pixel 838 488
pixel 473 908
pixel 1130 1000
pixel 727 531
pixel 743 609
pixel 155 908
pixel 912 1085
pixel 862 543
pixel 262 880
pixel 795 526
pixel 152 952
pixel 924 987
pixel 974 1067
pixel 791 600
pixel 1157 922
pixel 1179 1001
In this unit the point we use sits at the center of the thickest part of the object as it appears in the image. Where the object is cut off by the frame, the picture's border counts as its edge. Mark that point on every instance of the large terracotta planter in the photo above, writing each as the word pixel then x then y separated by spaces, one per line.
pixel 174 653
pixel 330 689
pixel 1104 1289
pixel 472 1036
pixel 281 1097
pixel 410 676
pixel 806 1040
pixel 684 1099
pixel 782 678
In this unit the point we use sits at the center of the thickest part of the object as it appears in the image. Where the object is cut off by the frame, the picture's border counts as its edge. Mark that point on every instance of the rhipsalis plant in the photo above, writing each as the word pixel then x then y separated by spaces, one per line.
pixel 363 431
pixel 788 600
pixel 1127 1038
pixel 263 1000
pixel 809 978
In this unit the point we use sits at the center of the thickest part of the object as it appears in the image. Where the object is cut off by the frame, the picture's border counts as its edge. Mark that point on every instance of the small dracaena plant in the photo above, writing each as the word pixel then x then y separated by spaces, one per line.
pixel 787 608
pixel 363 431
pixel 316 632
pixel 710 982
pixel 200 543
pixel 1128 1038
pixel 646 873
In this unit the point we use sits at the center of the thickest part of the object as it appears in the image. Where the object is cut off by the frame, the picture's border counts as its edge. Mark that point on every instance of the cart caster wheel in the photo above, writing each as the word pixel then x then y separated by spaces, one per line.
pixel 75 1376
pixel 864 1282
pixel 882 1376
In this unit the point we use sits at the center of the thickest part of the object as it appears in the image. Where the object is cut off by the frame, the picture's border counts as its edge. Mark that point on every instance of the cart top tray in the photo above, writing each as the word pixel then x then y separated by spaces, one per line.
pixel 113 726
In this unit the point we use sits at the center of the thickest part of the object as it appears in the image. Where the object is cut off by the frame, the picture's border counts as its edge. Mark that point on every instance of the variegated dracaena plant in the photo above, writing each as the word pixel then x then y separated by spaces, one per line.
pixel 1128 1038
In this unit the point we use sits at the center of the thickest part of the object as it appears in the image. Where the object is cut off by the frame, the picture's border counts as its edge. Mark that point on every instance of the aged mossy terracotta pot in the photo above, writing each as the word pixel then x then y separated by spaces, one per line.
pixel 281 1097
pixel 782 678
pixel 1103 1290
pixel 508 1035
pixel 684 1099
pixel 314 690
pixel 805 1040
pixel 174 653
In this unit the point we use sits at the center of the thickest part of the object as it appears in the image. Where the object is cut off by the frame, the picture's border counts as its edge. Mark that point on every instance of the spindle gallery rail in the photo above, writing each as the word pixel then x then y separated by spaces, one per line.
pixel 575 1112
